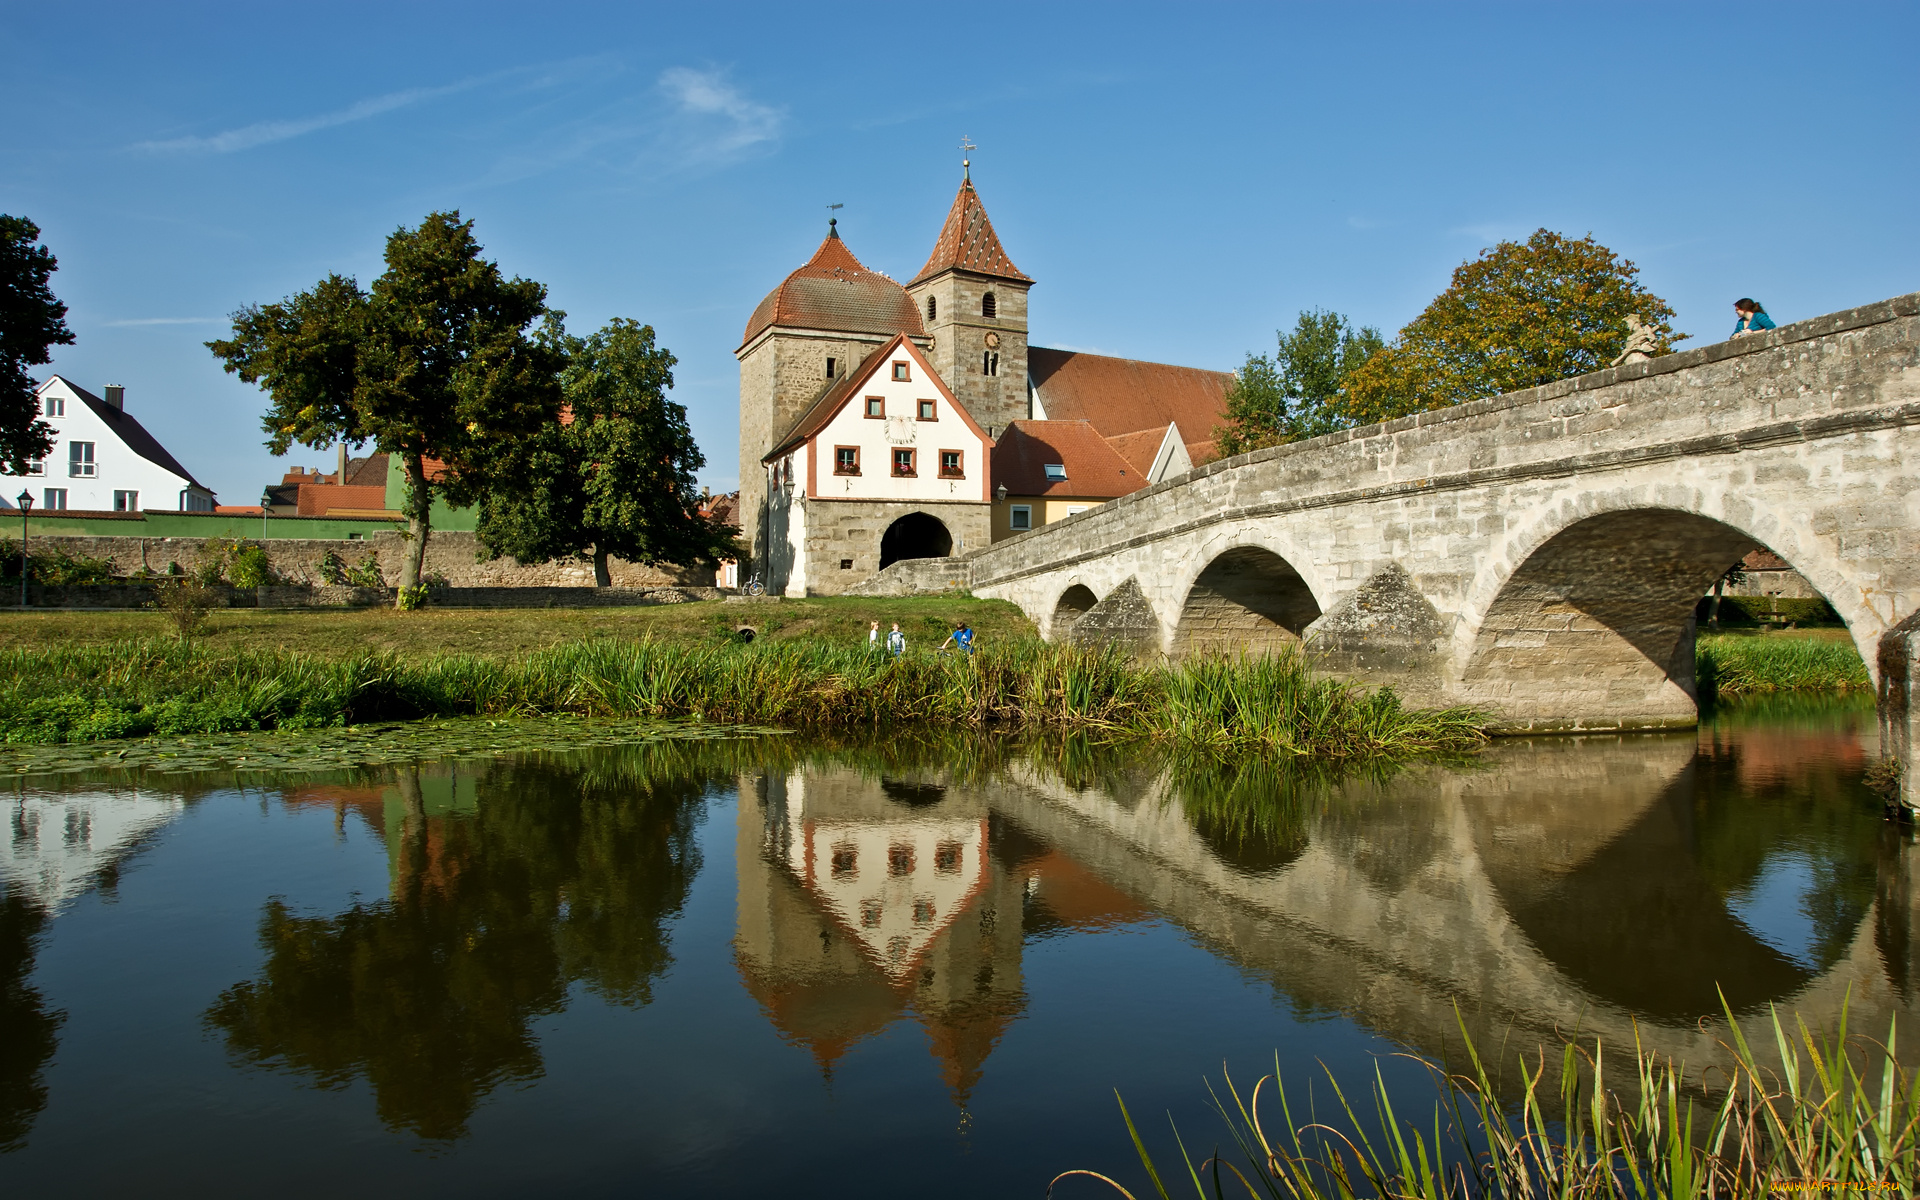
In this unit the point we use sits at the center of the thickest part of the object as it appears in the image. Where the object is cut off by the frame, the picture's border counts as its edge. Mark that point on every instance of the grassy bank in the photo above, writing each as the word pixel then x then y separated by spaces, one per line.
pixel 1836 1116
pixel 836 620
pixel 132 689
pixel 1731 664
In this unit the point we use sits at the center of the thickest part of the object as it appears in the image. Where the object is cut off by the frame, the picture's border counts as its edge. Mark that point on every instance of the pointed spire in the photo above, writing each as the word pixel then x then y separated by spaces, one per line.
pixel 967 241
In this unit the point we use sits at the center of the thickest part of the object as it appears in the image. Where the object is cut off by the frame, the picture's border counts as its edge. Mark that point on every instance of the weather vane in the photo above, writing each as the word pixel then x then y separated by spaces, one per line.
pixel 966 156
pixel 833 222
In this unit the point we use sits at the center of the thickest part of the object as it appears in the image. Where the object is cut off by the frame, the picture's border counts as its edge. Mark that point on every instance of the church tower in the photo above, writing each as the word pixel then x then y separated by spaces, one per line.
pixel 973 302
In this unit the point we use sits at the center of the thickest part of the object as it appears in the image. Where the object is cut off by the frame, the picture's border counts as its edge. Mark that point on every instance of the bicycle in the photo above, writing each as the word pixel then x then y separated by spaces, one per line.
pixel 753 586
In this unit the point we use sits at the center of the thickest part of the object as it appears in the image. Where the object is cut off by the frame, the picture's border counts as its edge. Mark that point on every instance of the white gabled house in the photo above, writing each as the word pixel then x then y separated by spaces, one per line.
pixel 886 460
pixel 102 460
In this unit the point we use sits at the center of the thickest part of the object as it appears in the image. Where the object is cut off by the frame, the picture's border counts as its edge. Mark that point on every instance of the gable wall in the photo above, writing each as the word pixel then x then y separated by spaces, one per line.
pixel 876 440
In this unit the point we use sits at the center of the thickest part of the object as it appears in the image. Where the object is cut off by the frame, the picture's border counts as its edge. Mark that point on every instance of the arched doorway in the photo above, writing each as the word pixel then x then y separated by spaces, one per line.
pixel 1074 603
pixel 1247 599
pixel 915 535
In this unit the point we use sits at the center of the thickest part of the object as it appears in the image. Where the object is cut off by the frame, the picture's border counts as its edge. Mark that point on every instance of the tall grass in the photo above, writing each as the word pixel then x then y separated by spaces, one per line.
pixel 79 693
pixel 1838 1115
pixel 1736 665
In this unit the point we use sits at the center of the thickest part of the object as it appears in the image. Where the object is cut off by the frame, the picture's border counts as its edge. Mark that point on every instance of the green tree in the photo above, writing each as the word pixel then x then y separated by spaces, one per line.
pixel 1296 393
pixel 559 874
pixel 31 322
pixel 1520 315
pixel 434 362
pixel 615 475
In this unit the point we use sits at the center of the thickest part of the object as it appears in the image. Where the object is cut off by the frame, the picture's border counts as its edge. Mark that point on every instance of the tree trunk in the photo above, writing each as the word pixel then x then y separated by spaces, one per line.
pixel 602 576
pixel 419 523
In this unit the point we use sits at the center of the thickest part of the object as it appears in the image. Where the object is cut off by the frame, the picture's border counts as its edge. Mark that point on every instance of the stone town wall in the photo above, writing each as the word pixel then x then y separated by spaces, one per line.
pixel 454 555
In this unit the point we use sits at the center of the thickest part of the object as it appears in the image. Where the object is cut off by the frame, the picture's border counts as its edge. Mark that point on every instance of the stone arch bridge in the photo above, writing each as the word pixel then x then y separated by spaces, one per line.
pixel 1539 553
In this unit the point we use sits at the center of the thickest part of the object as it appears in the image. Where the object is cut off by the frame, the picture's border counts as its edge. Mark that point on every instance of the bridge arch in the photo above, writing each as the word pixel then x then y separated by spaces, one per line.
pixel 1588 611
pixel 1073 604
pixel 1247 597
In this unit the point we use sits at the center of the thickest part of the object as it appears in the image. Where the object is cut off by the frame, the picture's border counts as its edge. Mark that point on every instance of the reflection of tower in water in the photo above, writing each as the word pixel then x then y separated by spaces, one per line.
pixel 861 900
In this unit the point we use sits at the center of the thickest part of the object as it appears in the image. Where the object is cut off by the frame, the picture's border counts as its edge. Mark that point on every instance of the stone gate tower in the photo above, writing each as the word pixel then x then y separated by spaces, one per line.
pixel 808 332
pixel 973 302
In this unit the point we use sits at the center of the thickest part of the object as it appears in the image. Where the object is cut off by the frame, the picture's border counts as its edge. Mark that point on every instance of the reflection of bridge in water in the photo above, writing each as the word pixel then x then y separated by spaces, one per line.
pixel 1561 884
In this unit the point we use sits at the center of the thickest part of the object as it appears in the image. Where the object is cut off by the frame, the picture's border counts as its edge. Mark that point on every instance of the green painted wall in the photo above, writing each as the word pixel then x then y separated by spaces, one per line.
pixel 203 525
pixel 453 520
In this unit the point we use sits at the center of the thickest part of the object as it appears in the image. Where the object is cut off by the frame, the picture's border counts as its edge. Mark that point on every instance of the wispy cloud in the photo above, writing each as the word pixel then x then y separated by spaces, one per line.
pixel 720 120
pixel 262 133
pixel 1495 231
pixel 137 321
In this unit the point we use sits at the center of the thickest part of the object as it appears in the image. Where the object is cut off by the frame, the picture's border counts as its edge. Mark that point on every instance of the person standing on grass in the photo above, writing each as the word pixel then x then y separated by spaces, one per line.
pixel 897 641
pixel 873 637
pixel 1751 317
pixel 961 638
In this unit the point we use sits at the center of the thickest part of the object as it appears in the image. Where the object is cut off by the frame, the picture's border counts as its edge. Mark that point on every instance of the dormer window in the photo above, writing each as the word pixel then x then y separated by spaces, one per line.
pixel 933 308
pixel 829 368
pixel 1056 472
pixel 900 374
pixel 989 307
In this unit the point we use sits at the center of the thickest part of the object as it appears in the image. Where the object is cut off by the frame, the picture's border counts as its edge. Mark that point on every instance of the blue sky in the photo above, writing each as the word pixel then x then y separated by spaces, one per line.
pixel 1180 180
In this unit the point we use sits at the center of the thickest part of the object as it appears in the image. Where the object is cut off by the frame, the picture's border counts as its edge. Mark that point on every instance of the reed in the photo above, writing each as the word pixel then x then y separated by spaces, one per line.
pixel 1836 1115
pixel 80 693
pixel 1738 665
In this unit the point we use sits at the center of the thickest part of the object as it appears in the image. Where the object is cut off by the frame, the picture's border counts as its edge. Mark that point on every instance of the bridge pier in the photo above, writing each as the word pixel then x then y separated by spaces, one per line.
pixel 1899 671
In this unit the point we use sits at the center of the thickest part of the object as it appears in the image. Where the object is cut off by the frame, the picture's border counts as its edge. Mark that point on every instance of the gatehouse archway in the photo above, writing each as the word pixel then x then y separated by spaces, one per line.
pixel 916 535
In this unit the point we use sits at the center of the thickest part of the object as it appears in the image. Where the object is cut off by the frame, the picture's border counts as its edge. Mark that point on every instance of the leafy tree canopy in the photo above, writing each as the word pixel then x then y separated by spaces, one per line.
pixel 434 362
pixel 1295 393
pixel 1520 315
pixel 615 475
pixel 32 321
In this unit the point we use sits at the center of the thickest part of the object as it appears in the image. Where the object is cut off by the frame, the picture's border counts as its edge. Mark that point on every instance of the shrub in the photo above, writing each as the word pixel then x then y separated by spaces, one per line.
pixel 334 570
pixel 186 603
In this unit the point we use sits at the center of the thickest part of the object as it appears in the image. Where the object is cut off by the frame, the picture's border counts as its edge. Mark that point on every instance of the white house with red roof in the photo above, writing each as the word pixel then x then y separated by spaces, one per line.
pixel 831 493
pixel 103 460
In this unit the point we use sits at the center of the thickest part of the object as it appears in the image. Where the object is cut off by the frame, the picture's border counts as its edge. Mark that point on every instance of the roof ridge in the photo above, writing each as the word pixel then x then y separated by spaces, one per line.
pixel 967 242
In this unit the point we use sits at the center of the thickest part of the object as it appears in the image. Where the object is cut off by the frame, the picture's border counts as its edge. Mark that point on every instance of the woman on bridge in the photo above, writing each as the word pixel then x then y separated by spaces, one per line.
pixel 1751 317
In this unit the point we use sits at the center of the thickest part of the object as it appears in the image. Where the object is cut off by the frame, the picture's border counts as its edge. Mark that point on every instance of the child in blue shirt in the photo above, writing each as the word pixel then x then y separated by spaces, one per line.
pixel 962 638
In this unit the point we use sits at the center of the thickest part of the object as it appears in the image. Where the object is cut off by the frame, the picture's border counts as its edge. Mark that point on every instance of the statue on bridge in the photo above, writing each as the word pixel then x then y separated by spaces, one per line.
pixel 1640 343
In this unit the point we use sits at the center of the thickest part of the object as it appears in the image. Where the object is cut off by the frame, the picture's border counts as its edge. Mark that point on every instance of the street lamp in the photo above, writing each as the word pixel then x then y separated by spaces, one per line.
pixel 26 506
pixel 1001 492
pixel 266 502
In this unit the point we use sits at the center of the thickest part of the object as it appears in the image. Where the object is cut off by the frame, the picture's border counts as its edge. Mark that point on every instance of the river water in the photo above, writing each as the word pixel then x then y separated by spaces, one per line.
pixel 764 966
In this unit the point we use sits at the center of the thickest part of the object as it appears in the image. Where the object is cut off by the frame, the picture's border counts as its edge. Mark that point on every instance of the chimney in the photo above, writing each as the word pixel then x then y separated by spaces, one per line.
pixel 116 396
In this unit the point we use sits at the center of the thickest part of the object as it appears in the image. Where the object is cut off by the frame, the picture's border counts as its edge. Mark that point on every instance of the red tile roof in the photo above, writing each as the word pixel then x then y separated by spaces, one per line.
pixel 834 292
pixel 967 242
pixel 1140 448
pixel 1122 396
pixel 1094 469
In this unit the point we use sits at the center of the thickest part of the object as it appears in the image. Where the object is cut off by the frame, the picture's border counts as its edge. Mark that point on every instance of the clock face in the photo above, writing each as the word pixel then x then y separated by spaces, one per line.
pixel 993 341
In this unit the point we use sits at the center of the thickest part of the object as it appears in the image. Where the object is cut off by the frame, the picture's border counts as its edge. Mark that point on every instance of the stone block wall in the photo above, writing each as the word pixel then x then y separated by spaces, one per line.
pixel 454 555
pixel 917 577
pixel 849 531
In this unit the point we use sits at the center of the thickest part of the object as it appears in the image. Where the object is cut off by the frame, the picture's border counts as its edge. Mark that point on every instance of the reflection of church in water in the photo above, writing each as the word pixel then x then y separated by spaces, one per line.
pixel 864 900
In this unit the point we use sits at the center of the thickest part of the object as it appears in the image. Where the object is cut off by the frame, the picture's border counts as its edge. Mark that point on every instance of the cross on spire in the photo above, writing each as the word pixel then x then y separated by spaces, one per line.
pixel 833 222
pixel 966 157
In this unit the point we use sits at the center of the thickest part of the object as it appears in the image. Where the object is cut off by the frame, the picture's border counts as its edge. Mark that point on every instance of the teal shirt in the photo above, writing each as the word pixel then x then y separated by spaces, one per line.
pixel 1753 324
